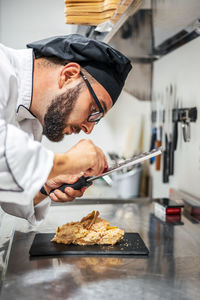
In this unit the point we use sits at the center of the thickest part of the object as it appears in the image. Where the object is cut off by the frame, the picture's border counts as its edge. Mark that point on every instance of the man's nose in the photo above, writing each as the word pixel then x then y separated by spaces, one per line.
pixel 87 127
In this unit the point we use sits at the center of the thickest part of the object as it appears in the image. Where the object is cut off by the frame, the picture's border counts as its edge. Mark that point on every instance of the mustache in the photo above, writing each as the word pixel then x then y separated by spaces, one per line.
pixel 76 129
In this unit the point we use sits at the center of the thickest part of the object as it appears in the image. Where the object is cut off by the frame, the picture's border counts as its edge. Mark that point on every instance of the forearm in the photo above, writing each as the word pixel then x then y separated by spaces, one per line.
pixel 38 198
pixel 64 164
pixel 61 165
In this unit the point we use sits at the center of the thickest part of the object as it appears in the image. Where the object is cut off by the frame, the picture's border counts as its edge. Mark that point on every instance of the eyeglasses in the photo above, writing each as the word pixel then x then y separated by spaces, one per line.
pixel 95 116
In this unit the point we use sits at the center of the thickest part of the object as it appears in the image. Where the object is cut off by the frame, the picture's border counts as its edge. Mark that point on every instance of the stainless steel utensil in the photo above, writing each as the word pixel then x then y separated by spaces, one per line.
pixel 86 181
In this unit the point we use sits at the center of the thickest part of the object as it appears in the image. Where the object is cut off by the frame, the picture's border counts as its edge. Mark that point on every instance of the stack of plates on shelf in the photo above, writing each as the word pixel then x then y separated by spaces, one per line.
pixel 89 12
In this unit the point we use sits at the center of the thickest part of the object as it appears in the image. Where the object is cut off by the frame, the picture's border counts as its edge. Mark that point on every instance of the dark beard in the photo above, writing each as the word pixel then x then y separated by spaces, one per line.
pixel 58 112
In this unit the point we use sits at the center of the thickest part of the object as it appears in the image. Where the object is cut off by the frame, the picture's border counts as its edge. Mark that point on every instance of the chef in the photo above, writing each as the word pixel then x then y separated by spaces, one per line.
pixel 56 87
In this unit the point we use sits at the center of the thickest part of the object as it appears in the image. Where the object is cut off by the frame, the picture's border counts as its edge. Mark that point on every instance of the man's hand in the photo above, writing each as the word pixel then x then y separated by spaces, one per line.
pixel 87 157
pixel 69 194
pixel 83 157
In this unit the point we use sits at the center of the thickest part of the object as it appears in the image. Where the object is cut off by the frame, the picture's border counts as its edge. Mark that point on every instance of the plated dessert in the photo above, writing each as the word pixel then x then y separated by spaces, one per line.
pixel 90 230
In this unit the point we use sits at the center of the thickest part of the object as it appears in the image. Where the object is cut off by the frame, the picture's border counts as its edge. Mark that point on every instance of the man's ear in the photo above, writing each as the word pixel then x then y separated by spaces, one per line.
pixel 68 73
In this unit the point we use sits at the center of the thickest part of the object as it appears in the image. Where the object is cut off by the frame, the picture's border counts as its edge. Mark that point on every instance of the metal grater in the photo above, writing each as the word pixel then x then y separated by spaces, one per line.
pixel 128 162
pixel 86 181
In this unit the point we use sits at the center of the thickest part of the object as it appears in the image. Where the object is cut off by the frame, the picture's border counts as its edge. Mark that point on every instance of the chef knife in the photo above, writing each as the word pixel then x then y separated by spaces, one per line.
pixel 166 152
pixel 86 181
pixel 154 129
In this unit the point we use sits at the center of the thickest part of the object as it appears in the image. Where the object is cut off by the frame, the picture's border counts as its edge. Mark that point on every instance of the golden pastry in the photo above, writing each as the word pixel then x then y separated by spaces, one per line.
pixel 90 230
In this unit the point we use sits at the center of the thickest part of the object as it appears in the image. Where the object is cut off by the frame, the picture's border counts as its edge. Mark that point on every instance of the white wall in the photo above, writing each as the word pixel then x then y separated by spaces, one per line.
pixel 23 21
pixel 182 68
pixel 0 19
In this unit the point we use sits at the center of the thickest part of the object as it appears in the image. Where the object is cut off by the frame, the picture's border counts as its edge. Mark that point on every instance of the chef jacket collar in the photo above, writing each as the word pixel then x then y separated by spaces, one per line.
pixel 25 69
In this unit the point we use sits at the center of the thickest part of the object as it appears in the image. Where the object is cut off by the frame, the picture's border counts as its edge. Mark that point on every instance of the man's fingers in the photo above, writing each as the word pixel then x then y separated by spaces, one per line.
pixel 69 195
pixel 58 196
pixel 98 168
pixel 61 196
pixel 53 197
pixel 73 193
pixel 54 183
pixel 70 179
pixel 102 162
pixel 66 179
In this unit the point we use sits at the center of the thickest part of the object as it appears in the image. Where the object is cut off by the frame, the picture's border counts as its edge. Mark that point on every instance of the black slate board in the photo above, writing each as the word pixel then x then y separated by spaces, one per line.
pixel 131 244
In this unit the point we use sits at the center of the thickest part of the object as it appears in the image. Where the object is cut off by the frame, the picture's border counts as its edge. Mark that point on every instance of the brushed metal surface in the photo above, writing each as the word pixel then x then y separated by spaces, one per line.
pixel 170 272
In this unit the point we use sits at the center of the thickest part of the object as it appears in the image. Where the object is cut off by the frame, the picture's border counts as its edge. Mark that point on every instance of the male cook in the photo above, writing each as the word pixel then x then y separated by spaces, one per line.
pixel 57 87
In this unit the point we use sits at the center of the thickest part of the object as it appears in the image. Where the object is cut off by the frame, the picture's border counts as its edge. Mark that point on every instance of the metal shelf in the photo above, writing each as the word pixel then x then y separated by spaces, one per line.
pixel 147 31
pixel 104 32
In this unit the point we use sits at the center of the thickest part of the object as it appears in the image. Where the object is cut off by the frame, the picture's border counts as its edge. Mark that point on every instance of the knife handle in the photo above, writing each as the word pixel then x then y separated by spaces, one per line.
pixel 152 145
pixel 166 161
pixel 158 157
pixel 165 167
pixel 175 136
pixel 78 185
pixel 171 159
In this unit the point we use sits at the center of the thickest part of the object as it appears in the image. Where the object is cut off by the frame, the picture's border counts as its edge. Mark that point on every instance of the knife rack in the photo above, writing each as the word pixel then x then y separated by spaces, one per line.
pixel 185 116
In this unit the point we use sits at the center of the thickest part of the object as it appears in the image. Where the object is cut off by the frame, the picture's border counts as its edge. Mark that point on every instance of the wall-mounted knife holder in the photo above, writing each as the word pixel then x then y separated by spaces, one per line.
pixel 185 116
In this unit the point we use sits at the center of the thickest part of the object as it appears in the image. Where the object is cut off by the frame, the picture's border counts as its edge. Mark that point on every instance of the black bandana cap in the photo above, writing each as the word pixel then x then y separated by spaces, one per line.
pixel 106 64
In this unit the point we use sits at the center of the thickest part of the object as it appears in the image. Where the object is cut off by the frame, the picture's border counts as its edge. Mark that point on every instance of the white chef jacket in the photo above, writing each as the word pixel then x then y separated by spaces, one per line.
pixel 24 163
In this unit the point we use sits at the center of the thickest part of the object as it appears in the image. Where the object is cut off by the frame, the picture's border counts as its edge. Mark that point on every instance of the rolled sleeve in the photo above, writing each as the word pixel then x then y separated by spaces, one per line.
pixel 33 214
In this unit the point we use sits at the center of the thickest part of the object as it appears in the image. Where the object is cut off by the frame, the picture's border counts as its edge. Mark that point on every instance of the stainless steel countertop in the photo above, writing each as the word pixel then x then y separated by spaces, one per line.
pixel 172 270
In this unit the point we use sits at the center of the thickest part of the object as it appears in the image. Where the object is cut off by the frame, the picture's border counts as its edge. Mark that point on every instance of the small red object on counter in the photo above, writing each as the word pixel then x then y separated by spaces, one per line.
pixel 173 211
pixel 167 206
